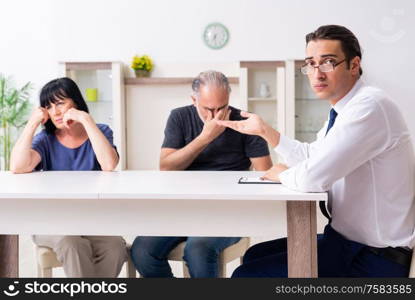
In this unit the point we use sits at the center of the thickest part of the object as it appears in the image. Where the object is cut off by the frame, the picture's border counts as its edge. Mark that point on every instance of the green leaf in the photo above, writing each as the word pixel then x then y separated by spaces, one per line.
pixel 14 108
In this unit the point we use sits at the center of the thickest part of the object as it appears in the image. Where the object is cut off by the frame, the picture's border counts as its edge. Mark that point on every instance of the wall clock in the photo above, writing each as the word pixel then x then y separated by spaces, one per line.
pixel 216 35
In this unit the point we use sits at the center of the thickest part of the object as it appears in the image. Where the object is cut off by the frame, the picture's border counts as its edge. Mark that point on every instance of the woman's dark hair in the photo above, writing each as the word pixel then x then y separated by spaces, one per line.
pixel 61 88
pixel 349 43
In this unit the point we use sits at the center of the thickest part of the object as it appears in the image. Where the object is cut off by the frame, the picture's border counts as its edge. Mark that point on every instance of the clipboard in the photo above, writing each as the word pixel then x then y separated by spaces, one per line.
pixel 255 180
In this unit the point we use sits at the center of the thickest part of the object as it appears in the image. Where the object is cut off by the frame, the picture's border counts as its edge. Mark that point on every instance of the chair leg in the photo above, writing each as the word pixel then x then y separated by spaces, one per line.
pixel 186 273
pixel 39 271
pixel 130 268
pixel 221 266
pixel 222 270
pixel 44 272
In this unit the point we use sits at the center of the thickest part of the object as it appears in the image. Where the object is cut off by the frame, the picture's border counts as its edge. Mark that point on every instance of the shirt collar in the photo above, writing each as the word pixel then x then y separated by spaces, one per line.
pixel 343 101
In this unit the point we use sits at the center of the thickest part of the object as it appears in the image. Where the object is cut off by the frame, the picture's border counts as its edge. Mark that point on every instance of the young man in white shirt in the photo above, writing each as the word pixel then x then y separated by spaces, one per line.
pixel 363 157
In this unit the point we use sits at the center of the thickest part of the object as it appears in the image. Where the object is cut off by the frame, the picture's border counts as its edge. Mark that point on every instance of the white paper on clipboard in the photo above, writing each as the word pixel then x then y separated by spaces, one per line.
pixel 256 180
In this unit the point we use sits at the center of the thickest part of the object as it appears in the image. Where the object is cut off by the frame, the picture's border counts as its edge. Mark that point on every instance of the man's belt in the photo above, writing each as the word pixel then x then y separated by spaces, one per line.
pixel 398 255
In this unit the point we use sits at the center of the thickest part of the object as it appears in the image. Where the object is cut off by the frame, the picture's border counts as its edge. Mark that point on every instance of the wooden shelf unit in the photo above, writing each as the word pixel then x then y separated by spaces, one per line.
pixel 168 80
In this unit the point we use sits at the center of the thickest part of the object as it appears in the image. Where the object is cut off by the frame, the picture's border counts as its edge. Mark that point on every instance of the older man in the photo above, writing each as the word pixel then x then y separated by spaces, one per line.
pixel 194 141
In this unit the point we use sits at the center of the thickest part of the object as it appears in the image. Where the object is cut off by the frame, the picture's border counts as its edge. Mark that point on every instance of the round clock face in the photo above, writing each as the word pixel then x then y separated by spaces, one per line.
pixel 216 36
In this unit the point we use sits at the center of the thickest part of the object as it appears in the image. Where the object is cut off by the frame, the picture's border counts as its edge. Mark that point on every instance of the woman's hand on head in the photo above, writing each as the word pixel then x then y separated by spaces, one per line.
pixel 39 116
pixel 74 115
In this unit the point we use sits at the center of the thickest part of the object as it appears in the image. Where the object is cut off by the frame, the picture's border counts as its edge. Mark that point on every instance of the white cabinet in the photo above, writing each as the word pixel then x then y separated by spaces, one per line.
pixel 305 113
pixel 262 91
pixel 291 107
pixel 102 86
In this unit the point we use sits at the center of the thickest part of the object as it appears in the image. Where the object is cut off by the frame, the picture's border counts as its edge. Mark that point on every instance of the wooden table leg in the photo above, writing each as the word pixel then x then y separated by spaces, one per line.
pixel 302 239
pixel 9 256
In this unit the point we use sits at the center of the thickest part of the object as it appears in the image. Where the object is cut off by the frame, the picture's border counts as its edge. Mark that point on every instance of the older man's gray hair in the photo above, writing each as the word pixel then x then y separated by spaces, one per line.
pixel 211 78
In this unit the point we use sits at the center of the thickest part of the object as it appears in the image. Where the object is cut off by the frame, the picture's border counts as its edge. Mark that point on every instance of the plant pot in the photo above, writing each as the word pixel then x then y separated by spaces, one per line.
pixel 142 73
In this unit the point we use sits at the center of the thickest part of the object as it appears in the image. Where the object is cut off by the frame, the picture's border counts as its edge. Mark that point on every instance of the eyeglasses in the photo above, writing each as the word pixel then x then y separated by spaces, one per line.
pixel 325 67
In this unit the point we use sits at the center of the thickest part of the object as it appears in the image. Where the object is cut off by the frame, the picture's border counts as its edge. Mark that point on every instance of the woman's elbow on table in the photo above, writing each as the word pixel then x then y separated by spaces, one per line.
pixel 110 165
pixel 16 170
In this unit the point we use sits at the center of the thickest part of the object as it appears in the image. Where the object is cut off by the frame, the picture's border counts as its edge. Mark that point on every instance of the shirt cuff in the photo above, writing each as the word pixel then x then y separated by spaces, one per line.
pixel 285 147
pixel 285 178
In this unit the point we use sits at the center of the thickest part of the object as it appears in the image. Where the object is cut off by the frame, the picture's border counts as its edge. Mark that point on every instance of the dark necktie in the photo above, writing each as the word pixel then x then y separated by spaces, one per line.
pixel 333 115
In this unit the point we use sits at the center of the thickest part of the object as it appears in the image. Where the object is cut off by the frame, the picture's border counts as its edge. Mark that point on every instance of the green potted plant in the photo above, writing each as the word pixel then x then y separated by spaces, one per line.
pixel 14 107
pixel 142 65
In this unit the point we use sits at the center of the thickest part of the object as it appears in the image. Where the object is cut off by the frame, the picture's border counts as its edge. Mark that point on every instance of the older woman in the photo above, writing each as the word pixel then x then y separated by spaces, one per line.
pixel 70 141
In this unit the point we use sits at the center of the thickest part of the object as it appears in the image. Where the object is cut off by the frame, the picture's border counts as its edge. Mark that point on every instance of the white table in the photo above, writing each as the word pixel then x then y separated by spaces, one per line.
pixel 174 203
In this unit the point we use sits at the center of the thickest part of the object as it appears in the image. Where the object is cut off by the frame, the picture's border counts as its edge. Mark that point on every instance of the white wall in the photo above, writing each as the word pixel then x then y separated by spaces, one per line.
pixel 37 34
pixel 147 110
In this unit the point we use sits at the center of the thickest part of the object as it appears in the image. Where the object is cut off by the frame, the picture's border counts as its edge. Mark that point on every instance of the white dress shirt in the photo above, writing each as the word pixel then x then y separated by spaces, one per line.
pixel 366 162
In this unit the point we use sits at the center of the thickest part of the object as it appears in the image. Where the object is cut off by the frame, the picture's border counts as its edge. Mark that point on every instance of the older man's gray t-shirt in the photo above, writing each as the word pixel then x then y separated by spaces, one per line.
pixel 229 151
pixel 57 157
